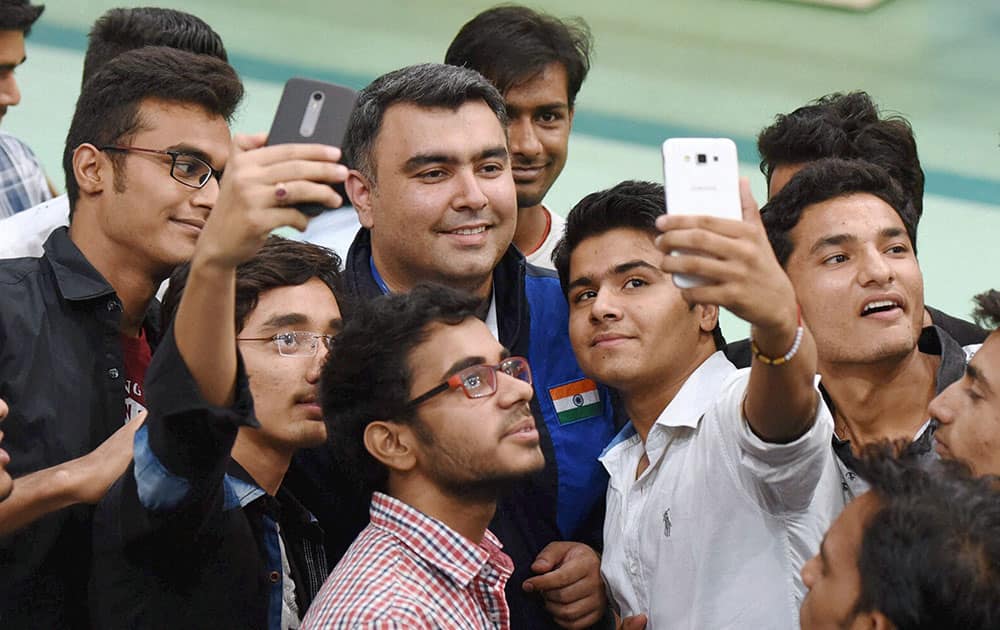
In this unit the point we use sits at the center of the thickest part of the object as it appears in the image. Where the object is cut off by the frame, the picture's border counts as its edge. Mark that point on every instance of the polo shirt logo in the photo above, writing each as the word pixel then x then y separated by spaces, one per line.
pixel 576 401
pixel 666 524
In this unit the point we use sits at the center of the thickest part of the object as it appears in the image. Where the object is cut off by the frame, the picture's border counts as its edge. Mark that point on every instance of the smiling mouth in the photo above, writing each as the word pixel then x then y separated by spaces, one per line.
pixel 472 231
pixel 880 306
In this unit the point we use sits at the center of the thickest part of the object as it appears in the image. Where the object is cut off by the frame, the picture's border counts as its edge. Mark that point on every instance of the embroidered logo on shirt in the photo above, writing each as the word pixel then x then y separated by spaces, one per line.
pixel 576 401
pixel 666 523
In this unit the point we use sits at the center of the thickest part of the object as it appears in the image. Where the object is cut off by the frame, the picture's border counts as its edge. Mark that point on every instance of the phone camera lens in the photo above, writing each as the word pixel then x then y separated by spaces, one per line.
pixel 317 96
pixel 702 158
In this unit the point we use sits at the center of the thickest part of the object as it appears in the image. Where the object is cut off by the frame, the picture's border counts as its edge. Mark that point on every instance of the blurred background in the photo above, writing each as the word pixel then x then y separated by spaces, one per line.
pixel 661 68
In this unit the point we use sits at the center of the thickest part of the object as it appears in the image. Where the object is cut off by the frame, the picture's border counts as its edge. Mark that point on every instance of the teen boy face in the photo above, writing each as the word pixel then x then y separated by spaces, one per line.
pixel 540 122
pixel 629 326
pixel 969 412
pixel 284 388
pixel 857 280
pixel 462 444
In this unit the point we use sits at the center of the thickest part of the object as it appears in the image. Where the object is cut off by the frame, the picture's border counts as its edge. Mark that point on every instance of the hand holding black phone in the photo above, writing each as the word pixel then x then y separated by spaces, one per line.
pixel 313 112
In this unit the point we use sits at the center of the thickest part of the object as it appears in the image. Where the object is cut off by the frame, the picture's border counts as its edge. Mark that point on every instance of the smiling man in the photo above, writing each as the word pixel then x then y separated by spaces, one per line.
pixel 721 479
pixel 538 63
pixel 431 182
pixel 143 162
pixel 431 416
pixel 845 233
pixel 22 182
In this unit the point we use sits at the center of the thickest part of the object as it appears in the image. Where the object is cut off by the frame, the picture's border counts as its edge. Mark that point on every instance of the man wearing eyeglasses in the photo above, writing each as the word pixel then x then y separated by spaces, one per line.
pixel 200 532
pixel 143 160
pixel 432 417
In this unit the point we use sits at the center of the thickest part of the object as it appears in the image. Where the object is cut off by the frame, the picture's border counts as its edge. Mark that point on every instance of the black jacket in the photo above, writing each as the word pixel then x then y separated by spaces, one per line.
pixel 62 374
pixel 186 538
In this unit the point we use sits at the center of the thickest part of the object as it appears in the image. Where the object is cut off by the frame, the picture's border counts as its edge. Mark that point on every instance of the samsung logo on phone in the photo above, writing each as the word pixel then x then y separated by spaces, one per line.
pixel 704 188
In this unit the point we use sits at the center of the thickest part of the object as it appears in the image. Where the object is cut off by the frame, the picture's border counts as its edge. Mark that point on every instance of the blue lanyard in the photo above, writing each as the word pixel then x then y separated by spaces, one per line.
pixel 378 277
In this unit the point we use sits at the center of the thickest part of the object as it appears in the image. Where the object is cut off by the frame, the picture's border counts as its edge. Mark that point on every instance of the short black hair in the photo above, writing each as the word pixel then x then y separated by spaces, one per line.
pixel 107 111
pixel 128 28
pixel 930 553
pixel 19 15
pixel 430 85
pixel 630 204
pixel 367 374
pixel 280 262
pixel 848 126
pixel 511 44
pixel 987 313
pixel 827 179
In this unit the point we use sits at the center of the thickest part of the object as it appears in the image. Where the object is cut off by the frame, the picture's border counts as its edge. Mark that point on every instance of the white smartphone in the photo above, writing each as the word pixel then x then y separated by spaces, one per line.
pixel 701 176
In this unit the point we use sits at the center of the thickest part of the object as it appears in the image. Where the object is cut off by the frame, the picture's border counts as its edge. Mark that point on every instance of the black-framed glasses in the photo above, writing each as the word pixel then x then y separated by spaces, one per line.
pixel 187 169
pixel 479 381
pixel 296 343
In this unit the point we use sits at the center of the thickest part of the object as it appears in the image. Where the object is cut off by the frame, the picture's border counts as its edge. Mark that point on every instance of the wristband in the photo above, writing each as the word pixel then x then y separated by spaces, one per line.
pixel 785 358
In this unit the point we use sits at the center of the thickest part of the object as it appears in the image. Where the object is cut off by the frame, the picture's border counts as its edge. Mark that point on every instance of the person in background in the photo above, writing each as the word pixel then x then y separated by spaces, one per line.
pixel 22 182
pixel 538 63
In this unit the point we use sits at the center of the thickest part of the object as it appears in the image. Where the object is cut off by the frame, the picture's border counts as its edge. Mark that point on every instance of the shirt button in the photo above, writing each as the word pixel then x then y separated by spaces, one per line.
pixel 112 305
pixel 274 577
pixel 113 373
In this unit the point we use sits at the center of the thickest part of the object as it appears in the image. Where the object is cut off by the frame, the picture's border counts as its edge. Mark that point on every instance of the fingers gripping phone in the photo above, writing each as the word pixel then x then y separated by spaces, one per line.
pixel 701 176
pixel 313 112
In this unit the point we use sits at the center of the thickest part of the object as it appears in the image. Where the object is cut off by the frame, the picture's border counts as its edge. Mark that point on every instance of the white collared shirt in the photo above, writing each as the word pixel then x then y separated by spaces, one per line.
pixel 714 532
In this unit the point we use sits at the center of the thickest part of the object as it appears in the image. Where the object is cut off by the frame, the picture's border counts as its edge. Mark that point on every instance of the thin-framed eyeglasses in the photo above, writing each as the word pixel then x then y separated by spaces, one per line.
pixel 187 169
pixel 296 343
pixel 479 381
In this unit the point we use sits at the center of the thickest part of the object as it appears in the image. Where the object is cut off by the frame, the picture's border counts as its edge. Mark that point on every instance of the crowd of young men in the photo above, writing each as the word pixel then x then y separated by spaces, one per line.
pixel 442 433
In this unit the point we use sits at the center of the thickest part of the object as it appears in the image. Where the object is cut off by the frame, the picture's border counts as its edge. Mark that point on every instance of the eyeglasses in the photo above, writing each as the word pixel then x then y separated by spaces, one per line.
pixel 479 381
pixel 184 167
pixel 296 344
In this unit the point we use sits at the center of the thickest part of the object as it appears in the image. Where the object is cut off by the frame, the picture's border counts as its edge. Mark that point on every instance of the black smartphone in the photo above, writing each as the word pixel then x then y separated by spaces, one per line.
pixel 313 112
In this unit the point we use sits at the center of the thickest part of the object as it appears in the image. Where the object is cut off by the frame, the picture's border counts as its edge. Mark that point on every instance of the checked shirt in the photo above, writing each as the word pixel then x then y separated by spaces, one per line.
pixel 408 570
pixel 22 182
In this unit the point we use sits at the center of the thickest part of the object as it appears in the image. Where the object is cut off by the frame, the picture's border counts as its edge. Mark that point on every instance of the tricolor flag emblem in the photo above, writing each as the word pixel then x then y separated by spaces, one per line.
pixel 576 401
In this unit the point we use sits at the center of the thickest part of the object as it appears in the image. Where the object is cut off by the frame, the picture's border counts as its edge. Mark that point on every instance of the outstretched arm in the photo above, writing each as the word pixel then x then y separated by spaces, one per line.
pixel 744 276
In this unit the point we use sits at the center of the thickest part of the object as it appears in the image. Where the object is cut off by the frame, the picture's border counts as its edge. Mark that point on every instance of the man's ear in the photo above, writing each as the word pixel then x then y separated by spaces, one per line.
pixel 392 444
pixel 708 316
pixel 360 190
pixel 91 169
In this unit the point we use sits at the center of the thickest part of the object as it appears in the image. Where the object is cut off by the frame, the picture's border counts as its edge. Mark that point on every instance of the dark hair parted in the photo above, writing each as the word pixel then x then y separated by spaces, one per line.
pixel 107 111
pixel 987 313
pixel 930 554
pixel 19 15
pixel 847 126
pixel 367 374
pixel 280 262
pixel 124 29
pixel 428 85
pixel 511 44
pixel 630 204
pixel 827 179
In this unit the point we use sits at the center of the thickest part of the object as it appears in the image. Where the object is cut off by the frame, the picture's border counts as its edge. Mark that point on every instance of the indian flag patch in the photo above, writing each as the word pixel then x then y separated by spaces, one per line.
pixel 576 401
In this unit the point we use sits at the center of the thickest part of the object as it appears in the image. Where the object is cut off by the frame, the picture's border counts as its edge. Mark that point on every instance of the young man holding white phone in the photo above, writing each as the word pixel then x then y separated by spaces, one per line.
pixel 722 483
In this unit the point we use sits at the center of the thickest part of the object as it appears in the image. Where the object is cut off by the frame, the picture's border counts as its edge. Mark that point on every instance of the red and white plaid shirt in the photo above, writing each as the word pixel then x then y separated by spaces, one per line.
pixel 408 570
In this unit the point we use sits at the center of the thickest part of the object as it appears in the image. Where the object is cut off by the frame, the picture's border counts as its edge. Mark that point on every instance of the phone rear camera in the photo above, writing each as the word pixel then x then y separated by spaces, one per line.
pixel 702 158
pixel 317 96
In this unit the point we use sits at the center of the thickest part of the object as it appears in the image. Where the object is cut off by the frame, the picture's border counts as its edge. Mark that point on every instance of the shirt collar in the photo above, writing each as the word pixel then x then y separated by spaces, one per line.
pixel 699 391
pixel 436 543
pixel 76 277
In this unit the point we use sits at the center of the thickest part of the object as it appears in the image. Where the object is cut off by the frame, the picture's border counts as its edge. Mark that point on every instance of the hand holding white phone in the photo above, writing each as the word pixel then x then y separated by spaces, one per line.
pixel 701 177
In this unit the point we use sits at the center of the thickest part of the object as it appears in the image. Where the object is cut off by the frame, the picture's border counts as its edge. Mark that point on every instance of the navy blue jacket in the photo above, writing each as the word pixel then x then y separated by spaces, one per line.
pixel 565 501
